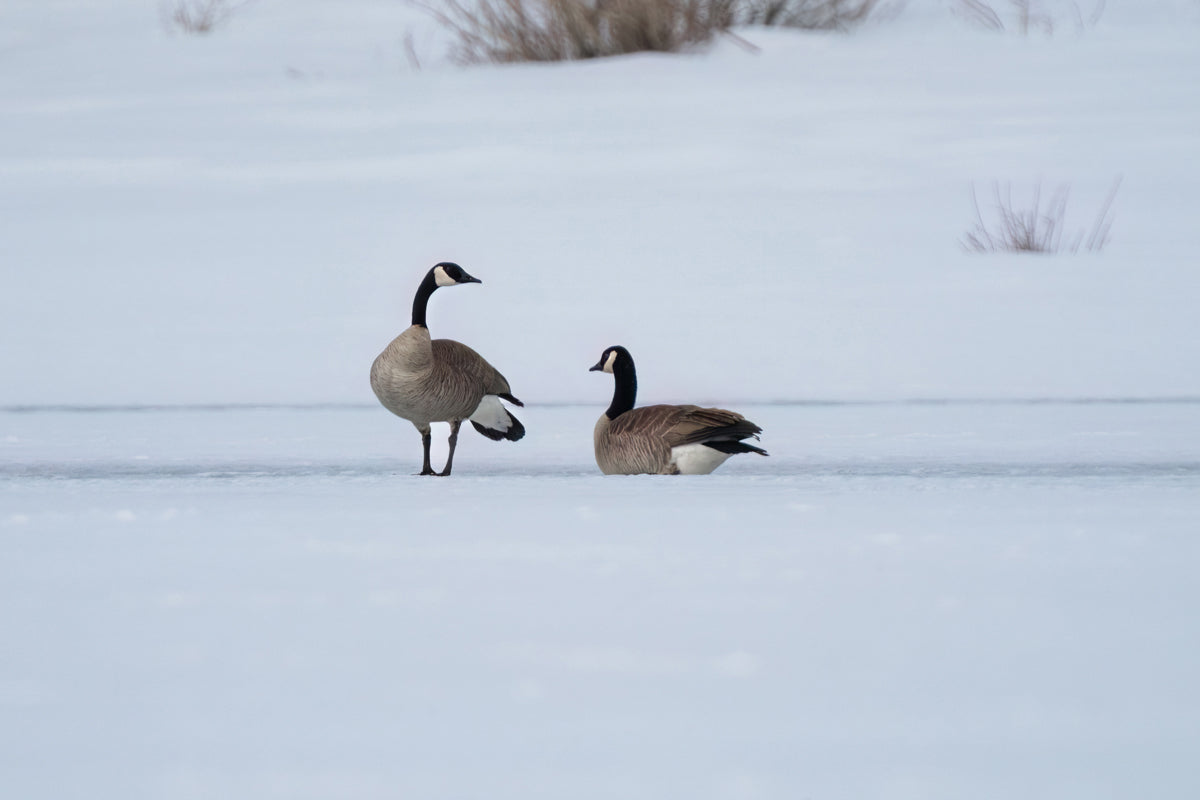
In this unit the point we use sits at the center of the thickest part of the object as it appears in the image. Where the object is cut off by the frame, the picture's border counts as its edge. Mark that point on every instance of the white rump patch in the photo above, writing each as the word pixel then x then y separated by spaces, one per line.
pixel 441 278
pixel 697 459
pixel 608 362
pixel 492 414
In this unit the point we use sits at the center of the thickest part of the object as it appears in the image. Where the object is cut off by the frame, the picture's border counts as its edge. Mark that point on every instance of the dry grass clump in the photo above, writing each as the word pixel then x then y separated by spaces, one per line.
pixel 1026 16
pixel 504 31
pixel 198 17
pixel 1035 228
pixel 822 15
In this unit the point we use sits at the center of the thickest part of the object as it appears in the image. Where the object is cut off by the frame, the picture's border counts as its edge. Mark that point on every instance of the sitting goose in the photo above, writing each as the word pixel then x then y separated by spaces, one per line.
pixel 441 380
pixel 663 440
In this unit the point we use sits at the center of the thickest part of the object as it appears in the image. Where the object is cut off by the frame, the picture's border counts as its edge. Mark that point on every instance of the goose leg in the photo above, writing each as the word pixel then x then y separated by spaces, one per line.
pixel 426 440
pixel 453 443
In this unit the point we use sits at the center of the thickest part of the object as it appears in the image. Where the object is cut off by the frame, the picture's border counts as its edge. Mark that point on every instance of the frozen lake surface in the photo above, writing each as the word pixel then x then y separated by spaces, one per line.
pixel 906 600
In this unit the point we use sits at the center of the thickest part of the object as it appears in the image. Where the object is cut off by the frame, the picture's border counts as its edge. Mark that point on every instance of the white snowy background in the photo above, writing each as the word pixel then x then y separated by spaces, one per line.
pixel 966 570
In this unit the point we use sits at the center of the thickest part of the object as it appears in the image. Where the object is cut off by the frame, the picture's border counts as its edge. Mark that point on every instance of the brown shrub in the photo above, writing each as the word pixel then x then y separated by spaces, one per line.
pixel 198 17
pixel 807 14
pixel 1034 228
pixel 502 31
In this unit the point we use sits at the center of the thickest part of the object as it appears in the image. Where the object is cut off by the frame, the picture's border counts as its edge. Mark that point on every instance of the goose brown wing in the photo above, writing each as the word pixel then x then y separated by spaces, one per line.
pixel 695 425
pixel 647 421
pixel 469 369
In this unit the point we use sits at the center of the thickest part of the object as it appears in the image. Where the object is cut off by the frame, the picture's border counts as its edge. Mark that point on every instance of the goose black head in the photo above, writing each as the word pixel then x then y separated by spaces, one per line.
pixel 447 273
pixel 611 357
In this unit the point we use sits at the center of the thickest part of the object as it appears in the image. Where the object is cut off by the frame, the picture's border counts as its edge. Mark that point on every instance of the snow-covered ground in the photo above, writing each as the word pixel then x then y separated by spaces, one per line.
pixel 902 601
pixel 967 569
pixel 244 217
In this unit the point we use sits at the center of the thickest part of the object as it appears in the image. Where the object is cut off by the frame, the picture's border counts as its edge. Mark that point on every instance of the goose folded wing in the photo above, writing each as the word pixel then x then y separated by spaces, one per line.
pixel 464 366
pixel 647 422
pixel 700 425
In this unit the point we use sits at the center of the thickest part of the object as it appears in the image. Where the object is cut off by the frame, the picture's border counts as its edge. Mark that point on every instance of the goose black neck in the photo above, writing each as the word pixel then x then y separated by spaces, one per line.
pixel 625 387
pixel 427 287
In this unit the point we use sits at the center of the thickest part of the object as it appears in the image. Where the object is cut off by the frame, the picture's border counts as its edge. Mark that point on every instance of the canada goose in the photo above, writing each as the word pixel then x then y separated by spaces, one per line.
pixel 663 440
pixel 441 380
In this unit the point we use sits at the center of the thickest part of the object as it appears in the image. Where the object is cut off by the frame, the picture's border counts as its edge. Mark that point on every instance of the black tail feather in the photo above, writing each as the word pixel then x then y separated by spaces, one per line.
pixel 733 447
pixel 515 430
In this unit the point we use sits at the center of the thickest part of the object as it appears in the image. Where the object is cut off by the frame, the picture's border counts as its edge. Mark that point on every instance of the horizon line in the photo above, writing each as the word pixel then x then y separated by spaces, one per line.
pixel 216 407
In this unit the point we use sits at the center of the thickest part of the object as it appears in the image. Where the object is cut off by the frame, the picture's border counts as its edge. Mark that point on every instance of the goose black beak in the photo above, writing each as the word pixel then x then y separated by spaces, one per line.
pixel 470 279
pixel 598 368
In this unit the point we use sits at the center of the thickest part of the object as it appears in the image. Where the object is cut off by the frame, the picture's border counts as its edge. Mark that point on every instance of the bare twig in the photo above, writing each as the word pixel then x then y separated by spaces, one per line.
pixel 982 13
pixel 1028 15
pixel 410 52
pixel 1098 238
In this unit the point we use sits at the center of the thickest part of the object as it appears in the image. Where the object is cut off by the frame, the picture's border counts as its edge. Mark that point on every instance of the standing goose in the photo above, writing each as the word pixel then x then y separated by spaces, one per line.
pixel 663 440
pixel 428 380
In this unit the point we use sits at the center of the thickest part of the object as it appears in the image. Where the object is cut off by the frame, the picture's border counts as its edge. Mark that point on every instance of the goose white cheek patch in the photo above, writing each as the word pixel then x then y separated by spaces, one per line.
pixel 608 362
pixel 441 278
